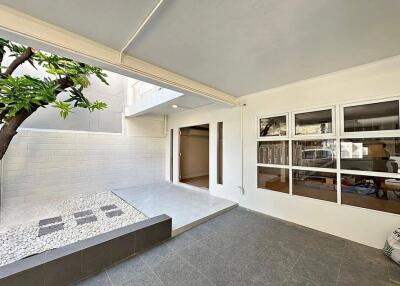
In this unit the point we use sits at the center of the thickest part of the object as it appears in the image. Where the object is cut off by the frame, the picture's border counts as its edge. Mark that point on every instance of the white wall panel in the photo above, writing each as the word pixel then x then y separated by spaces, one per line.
pixel 372 81
pixel 43 165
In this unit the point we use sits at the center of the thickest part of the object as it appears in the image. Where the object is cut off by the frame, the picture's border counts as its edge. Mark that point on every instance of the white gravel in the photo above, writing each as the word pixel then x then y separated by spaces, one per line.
pixel 19 241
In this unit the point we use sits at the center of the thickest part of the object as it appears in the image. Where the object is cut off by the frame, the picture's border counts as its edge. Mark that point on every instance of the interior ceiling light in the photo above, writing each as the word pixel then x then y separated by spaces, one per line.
pixel 174 106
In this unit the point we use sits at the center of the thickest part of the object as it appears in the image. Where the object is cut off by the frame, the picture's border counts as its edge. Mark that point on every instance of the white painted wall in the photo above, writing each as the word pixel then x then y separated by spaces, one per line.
pixel 145 125
pixel 372 81
pixel 232 160
pixel 43 166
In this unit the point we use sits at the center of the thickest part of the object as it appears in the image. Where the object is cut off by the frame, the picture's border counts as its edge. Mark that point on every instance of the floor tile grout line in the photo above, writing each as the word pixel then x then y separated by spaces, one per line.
pixel 176 253
pixel 201 244
pixel 216 252
pixel 152 270
pixel 341 263
pixel 294 264
pixel 109 278
pixel 259 252
pixel 290 272
pixel 387 262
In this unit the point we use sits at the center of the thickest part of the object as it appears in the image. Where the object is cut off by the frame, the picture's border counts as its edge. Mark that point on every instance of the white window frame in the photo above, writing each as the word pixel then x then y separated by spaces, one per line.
pixel 273 138
pixel 287 167
pixel 367 173
pixel 367 134
pixel 274 165
pixel 317 169
pixel 330 170
pixel 337 134
pixel 313 136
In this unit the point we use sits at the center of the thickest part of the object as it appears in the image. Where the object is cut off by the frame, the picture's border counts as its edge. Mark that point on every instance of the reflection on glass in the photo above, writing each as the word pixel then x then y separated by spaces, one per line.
pixel 372 117
pixel 275 179
pixel 371 192
pixel 273 126
pixel 370 154
pixel 314 153
pixel 317 185
pixel 274 152
pixel 316 122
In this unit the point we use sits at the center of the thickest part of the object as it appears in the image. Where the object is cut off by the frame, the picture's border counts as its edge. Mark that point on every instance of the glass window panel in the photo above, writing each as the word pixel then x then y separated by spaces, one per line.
pixel 371 154
pixel 316 122
pixel 273 126
pixel 314 153
pixel 372 117
pixel 275 179
pixel 376 193
pixel 313 184
pixel 273 152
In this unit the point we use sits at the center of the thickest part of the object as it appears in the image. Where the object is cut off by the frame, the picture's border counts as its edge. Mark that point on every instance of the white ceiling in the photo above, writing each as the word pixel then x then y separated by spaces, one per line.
pixel 236 46
pixel 184 103
pixel 109 22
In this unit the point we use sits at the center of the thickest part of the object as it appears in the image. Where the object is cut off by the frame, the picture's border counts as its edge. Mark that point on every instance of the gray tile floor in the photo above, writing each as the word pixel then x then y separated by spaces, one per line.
pixel 187 206
pixel 242 248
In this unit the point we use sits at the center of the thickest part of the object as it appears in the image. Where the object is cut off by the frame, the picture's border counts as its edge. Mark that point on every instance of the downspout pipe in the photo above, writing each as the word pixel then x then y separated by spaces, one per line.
pixel 241 187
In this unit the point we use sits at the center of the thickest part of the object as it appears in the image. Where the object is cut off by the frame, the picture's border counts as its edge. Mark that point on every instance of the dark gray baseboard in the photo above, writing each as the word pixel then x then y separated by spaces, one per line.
pixel 73 262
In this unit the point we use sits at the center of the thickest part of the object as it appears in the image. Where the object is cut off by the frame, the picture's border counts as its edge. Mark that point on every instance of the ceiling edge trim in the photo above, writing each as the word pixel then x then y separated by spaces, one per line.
pixel 145 21
pixel 21 24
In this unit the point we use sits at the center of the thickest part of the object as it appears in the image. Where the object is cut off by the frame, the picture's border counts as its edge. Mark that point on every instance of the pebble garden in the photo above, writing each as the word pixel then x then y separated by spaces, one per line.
pixel 80 217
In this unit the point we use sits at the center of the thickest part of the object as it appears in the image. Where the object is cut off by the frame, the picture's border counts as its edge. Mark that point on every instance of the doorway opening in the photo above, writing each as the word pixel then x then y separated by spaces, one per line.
pixel 194 155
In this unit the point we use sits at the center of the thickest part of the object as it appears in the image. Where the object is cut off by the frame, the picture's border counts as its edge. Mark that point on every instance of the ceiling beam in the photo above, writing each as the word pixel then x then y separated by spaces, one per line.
pixel 139 29
pixel 16 23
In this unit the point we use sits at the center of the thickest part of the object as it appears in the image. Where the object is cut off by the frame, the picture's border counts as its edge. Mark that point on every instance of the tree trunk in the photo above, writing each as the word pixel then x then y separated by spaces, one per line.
pixel 9 129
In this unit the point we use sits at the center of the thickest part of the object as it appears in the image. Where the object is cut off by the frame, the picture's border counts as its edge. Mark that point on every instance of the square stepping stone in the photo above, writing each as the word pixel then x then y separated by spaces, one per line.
pixel 50 229
pixel 83 213
pixel 86 219
pixel 51 220
pixel 114 213
pixel 108 207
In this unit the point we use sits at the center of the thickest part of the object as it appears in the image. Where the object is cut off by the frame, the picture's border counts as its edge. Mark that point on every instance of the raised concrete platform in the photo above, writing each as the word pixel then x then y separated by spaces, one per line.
pixel 187 206
pixel 71 263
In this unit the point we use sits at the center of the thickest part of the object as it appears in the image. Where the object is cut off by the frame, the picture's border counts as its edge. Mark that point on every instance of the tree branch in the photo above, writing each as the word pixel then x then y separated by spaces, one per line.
pixel 3 114
pixel 2 52
pixel 9 129
pixel 19 61
pixel 64 83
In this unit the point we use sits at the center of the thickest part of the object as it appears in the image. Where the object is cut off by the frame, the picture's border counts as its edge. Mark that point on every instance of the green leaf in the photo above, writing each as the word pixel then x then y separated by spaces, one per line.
pixel 97 105
pixel 65 108
pixel 26 92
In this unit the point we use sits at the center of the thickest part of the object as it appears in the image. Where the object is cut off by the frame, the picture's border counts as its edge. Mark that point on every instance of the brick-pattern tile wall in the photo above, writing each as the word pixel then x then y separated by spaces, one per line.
pixel 41 165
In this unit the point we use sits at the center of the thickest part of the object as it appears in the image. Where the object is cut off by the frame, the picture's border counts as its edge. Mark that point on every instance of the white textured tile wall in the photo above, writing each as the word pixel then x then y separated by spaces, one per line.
pixel 43 165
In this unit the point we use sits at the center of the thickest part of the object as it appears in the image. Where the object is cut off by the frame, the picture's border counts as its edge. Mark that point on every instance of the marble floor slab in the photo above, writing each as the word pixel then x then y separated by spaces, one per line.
pixel 188 207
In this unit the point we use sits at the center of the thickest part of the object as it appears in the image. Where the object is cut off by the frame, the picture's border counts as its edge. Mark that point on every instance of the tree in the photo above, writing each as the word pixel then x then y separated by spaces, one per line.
pixel 21 96
pixel 270 123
